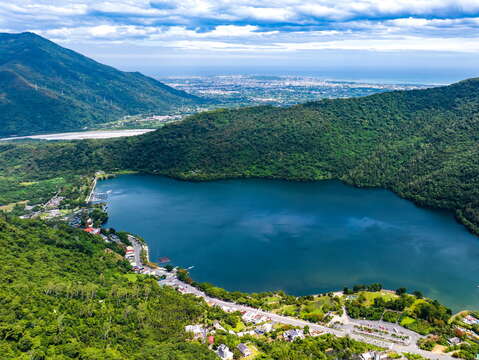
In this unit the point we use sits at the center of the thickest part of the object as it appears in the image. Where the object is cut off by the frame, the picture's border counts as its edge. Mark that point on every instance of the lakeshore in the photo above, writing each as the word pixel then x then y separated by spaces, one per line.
pixel 329 235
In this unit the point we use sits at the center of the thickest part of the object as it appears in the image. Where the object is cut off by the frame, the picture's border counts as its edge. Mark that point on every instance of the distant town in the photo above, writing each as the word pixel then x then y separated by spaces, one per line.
pixel 249 90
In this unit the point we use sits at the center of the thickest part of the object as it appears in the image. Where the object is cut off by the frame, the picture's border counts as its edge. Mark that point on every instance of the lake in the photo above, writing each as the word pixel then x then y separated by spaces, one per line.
pixel 301 237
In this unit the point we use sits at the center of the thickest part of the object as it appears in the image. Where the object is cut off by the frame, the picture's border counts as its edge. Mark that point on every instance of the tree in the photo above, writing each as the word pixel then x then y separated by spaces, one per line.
pixel 169 268
pixel 418 294
pixel 401 291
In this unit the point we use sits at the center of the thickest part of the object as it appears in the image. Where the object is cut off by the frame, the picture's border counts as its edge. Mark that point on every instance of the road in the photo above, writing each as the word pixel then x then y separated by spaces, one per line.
pixel 137 247
pixel 346 329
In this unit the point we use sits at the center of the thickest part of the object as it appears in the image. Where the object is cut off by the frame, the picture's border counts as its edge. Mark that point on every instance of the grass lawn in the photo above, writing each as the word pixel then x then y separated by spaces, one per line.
pixel 287 310
pixel 370 296
pixel 407 321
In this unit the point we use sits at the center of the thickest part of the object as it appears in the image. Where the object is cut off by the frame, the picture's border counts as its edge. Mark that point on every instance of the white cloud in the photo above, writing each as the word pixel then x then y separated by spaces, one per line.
pixel 254 25
pixel 102 30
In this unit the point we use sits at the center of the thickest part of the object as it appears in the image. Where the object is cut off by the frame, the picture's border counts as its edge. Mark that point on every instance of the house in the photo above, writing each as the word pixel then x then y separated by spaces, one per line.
pixel 224 352
pixel 248 317
pixel 91 230
pixel 244 350
pixel 198 331
pixel 470 320
pixel 263 329
pixel 211 339
pixel 244 333
pixel 454 341
pixel 294 334
pixel 373 355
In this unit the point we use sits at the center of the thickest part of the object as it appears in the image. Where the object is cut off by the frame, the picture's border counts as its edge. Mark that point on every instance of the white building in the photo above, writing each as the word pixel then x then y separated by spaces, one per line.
pixel 373 355
pixel 224 352
pixel 265 328
pixel 294 334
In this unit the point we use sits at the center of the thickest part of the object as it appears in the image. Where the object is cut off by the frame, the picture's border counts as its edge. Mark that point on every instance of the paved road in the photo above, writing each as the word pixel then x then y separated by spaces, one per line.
pixel 137 246
pixel 344 330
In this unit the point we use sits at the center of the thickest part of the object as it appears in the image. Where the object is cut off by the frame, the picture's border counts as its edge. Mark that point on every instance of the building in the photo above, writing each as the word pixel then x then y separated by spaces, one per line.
pixel 224 352
pixel 294 334
pixel 454 341
pixel 373 355
pixel 251 317
pixel 244 350
pixel 91 230
pixel 263 329
pixel 470 320
pixel 198 331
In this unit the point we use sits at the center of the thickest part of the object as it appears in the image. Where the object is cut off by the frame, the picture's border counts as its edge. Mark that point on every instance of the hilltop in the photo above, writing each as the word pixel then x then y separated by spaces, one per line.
pixel 422 144
pixel 47 88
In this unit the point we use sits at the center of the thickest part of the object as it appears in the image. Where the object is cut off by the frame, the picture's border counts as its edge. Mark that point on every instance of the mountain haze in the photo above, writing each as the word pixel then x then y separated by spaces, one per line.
pixel 45 87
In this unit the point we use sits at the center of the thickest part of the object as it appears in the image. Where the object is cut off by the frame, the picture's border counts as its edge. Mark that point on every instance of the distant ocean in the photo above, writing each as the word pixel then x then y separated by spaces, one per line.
pixel 433 76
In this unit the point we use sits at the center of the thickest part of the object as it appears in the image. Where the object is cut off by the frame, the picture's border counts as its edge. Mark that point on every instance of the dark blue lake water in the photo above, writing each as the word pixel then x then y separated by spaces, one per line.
pixel 303 238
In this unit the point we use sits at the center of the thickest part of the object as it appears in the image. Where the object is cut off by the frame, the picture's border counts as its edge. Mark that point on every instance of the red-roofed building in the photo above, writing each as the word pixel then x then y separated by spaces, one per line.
pixel 211 340
pixel 92 230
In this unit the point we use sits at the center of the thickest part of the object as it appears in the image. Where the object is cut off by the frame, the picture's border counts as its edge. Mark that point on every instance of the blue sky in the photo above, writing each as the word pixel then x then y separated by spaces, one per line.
pixel 166 35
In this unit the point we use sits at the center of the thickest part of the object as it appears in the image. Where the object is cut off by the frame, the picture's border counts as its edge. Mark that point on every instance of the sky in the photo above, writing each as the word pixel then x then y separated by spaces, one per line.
pixel 423 40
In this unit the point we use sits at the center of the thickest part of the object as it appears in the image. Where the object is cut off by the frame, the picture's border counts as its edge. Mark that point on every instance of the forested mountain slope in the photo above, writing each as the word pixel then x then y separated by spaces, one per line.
pixel 423 144
pixel 45 87
pixel 65 295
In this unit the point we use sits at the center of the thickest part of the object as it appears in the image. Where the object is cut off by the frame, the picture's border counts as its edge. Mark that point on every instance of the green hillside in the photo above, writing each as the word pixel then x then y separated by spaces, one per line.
pixel 65 296
pixel 422 144
pixel 45 87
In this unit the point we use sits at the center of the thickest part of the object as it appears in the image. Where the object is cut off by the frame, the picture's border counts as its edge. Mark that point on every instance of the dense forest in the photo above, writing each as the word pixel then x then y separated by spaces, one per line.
pixel 65 294
pixel 422 144
pixel 46 88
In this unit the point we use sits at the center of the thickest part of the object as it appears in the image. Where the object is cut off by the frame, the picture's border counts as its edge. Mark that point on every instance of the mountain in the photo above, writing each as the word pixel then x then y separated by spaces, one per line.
pixel 422 144
pixel 45 87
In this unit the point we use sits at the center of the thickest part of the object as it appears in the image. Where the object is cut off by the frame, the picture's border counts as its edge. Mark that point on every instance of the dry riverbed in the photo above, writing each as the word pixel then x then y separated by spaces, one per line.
pixel 98 134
